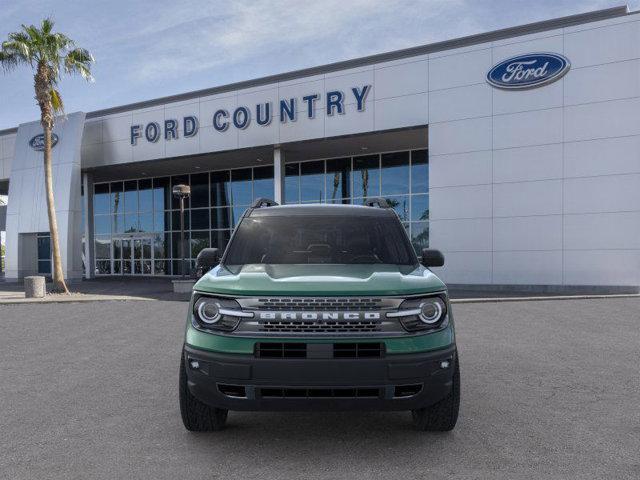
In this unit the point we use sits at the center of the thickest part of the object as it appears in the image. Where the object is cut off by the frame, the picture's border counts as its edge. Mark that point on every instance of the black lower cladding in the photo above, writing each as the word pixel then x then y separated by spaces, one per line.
pixel 392 382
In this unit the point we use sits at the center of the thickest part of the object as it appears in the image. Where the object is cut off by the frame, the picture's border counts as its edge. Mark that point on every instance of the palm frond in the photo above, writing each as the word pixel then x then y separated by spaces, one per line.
pixel 56 101
pixel 79 60
pixel 8 60
pixel 47 25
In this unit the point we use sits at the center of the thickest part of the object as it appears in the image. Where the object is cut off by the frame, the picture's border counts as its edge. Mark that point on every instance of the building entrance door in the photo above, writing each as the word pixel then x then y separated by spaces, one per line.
pixel 133 255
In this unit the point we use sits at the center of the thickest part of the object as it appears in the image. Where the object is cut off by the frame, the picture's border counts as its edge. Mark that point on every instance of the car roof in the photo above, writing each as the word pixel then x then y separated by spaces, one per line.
pixel 316 209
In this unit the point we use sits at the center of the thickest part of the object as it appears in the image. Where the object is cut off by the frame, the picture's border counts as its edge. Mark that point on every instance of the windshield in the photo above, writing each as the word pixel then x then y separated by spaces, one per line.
pixel 318 239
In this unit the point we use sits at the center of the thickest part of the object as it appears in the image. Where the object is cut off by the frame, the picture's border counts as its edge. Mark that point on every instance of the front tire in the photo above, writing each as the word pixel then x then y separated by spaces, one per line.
pixel 196 415
pixel 443 415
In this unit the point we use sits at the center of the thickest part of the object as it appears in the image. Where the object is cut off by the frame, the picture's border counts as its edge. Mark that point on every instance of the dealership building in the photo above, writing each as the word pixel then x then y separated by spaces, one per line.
pixel 515 152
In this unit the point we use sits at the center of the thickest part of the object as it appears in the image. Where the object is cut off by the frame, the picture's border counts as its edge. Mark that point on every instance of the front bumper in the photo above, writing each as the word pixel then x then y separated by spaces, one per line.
pixel 392 382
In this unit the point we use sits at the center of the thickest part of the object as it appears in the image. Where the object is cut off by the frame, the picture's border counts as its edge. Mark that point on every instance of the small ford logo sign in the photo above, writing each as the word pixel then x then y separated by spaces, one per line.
pixel 37 142
pixel 528 71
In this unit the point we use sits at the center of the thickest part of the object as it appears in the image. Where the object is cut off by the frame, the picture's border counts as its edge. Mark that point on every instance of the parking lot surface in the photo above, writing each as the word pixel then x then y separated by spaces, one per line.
pixel 550 389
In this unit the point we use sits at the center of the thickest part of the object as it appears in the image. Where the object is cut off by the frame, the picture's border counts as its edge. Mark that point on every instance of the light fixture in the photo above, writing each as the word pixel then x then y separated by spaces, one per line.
pixel 364 149
pixel 197 167
pixel 258 159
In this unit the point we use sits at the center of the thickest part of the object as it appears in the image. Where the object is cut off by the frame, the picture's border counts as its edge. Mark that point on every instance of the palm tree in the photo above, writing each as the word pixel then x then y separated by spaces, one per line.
pixel 47 53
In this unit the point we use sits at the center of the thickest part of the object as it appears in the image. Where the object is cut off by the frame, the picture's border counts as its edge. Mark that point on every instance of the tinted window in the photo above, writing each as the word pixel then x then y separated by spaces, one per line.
pixel 332 239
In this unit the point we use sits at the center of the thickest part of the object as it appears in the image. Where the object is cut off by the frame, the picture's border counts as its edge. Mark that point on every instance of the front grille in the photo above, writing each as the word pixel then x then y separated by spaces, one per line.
pixel 321 303
pixel 322 350
pixel 358 350
pixel 294 392
pixel 319 326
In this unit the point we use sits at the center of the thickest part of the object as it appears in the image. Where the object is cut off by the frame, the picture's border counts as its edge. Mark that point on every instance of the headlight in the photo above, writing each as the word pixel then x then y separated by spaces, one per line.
pixel 422 313
pixel 431 310
pixel 208 310
pixel 217 313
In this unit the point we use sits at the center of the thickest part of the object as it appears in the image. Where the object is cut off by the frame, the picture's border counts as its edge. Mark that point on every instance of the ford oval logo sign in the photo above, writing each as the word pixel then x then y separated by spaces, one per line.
pixel 37 142
pixel 528 71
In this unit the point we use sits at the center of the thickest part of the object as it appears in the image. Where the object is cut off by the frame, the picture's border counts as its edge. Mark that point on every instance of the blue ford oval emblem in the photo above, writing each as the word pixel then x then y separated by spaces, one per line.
pixel 37 142
pixel 528 71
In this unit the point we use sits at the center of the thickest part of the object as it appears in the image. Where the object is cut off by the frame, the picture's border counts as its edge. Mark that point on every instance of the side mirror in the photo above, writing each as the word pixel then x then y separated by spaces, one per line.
pixel 206 260
pixel 432 257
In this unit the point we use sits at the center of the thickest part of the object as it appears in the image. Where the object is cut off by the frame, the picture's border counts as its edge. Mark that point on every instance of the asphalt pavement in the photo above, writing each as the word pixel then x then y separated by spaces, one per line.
pixel 550 390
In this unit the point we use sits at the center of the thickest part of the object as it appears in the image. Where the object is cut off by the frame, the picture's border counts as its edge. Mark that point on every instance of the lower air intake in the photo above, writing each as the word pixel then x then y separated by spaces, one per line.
pixel 365 392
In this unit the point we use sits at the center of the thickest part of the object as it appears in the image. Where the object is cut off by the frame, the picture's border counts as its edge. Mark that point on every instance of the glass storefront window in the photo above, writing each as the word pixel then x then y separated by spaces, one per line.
pixel 200 190
pixel 241 193
pixel 292 183
pixel 102 224
pixel 145 222
pixel 395 173
pixel 220 189
pixel 161 194
pixel 145 195
pixel 101 199
pixel 263 182
pixel 420 207
pixel 200 219
pixel 419 171
pixel 175 220
pixel 131 222
pixel 220 218
pixel 312 181
pixel 131 196
pixel 199 240
pixel 117 200
pixel 117 223
pixel 338 179
pixel 366 176
pixel 141 210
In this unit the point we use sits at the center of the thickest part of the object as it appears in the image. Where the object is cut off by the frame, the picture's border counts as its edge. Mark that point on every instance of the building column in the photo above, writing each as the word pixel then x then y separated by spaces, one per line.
pixel 278 175
pixel 87 186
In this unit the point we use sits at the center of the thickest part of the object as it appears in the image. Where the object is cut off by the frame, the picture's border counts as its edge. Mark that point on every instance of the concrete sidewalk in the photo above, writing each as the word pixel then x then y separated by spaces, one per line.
pixel 103 289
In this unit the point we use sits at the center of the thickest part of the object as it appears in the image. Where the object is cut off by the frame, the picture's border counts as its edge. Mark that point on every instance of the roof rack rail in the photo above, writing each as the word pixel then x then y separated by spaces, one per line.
pixel 376 202
pixel 264 202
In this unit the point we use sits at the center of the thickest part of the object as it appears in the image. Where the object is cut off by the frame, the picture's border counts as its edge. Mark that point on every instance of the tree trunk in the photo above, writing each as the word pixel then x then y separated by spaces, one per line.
pixel 59 285
pixel 42 84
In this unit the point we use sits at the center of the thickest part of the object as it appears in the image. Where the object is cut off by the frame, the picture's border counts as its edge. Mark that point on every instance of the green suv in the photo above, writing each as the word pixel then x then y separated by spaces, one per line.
pixel 319 307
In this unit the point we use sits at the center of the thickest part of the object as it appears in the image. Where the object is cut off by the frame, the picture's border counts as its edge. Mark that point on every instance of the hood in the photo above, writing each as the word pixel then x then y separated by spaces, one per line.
pixel 320 280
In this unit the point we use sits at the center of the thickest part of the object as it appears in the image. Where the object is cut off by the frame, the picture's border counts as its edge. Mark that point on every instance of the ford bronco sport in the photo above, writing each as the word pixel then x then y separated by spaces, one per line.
pixel 319 307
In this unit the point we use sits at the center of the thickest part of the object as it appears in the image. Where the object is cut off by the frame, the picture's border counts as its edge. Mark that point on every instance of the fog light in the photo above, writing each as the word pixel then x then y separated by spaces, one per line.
pixel 444 364
pixel 194 364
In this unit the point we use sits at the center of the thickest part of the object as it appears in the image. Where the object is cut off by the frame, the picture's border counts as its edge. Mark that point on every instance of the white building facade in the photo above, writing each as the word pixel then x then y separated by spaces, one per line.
pixel 526 174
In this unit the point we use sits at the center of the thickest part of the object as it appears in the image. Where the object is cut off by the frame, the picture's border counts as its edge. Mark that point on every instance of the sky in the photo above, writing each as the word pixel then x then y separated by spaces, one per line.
pixel 149 49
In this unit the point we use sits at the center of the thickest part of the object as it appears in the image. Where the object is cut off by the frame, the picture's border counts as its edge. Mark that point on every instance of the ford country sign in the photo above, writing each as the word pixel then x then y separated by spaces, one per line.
pixel 37 142
pixel 528 71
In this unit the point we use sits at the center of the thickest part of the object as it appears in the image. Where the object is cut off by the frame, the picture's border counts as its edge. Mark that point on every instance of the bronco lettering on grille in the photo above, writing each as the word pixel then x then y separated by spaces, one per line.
pixel 319 315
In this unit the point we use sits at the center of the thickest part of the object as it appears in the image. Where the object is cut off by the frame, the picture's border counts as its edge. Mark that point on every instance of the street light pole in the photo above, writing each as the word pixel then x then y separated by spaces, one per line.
pixel 182 192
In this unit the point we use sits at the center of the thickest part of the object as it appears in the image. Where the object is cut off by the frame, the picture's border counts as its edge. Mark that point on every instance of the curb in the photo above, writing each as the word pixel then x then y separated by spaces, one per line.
pixel 73 299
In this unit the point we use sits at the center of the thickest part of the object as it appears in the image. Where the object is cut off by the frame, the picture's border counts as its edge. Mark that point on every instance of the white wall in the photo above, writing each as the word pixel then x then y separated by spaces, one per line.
pixel 539 186
pixel 7 148
pixel 27 206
